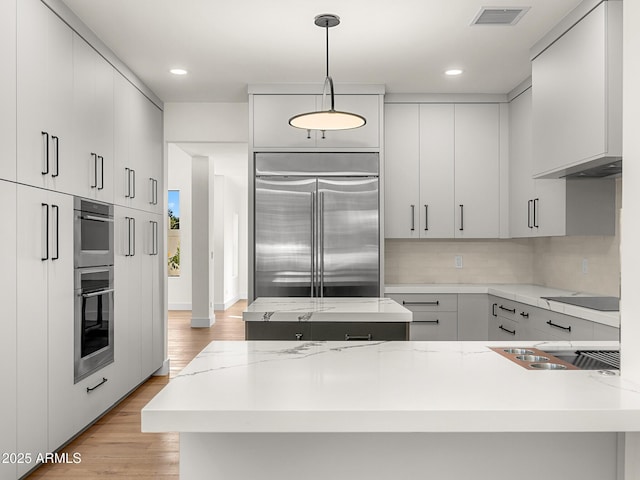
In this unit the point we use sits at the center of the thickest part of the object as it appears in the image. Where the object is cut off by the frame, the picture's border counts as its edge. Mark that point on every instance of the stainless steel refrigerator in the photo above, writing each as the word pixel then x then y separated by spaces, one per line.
pixel 316 225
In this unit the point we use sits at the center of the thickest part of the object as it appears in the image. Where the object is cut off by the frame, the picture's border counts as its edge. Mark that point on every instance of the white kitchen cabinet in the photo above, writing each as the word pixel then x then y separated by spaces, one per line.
pixel 442 171
pixel 402 171
pixel 93 122
pixel 137 149
pixel 477 171
pixel 271 129
pixel 45 296
pixel 472 318
pixel 551 207
pixel 577 97
pixel 44 99
pixel 8 90
pixel 8 325
pixel 605 332
pixel 434 315
pixel 437 175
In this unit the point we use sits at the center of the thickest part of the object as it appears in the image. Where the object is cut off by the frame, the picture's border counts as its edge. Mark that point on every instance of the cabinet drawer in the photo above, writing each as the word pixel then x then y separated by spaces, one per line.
pixel 505 308
pixel 561 326
pixel 434 326
pixel 605 332
pixel 503 329
pixel 427 302
pixel 342 331
pixel 277 331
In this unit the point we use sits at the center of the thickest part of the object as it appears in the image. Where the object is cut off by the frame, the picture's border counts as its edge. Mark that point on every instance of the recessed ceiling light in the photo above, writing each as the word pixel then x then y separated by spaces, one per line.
pixel 178 71
pixel 453 72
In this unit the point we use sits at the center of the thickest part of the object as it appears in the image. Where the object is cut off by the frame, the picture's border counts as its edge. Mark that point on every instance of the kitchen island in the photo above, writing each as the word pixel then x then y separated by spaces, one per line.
pixel 329 318
pixel 348 410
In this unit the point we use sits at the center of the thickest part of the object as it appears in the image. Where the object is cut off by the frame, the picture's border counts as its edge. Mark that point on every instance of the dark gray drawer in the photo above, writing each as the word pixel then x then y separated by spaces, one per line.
pixel 359 331
pixel 277 331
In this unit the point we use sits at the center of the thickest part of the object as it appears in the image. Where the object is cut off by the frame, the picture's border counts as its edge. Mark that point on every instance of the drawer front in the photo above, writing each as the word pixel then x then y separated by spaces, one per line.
pixel 503 329
pixel 346 331
pixel 427 302
pixel 504 308
pixel 277 331
pixel 605 332
pixel 434 326
pixel 557 325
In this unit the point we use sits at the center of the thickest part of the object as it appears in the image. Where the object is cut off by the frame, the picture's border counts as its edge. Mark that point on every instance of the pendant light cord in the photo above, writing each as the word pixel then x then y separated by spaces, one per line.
pixel 328 79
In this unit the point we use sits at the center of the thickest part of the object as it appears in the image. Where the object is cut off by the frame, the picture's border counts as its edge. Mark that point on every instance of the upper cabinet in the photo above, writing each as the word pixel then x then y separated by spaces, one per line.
pixel 577 97
pixel 44 99
pixel 271 129
pixel 551 207
pixel 8 90
pixel 442 171
pixel 92 122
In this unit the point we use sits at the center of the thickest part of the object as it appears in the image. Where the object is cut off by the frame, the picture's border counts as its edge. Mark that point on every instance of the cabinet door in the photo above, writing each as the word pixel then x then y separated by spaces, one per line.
pixel 8 325
pixel 569 102
pixel 44 97
pixel 271 114
pixel 151 169
pixel 366 136
pixel 63 422
pixel 477 171
pixel 436 171
pixel 402 171
pixel 434 326
pixel 33 260
pixel 150 336
pixel 8 90
pixel 93 117
pixel 472 318
pixel 550 207
pixel 503 329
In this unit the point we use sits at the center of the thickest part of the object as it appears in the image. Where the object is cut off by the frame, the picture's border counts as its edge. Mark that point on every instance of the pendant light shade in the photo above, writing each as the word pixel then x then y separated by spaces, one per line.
pixel 327 119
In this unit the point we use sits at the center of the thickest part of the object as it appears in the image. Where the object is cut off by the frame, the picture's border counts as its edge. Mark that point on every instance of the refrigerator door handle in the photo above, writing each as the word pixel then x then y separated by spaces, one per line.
pixel 321 218
pixel 313 245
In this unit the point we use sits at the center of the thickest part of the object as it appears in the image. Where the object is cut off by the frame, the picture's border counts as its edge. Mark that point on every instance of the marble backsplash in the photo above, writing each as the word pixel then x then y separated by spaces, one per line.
pixel 549 261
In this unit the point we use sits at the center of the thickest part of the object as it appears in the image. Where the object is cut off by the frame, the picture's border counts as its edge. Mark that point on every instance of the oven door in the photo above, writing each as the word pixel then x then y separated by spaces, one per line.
pixel 93 232
pixel 93 329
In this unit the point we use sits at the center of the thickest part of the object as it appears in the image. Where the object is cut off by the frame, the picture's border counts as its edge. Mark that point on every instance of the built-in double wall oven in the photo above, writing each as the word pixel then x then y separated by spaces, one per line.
pixel 93 262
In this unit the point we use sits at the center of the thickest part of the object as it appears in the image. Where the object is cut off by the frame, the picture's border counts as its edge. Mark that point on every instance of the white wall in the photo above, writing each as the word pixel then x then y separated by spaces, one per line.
pixel 179 178
pixel 206 122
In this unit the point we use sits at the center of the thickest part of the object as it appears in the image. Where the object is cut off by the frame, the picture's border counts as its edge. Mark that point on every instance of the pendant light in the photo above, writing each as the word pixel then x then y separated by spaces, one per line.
pixel 330 119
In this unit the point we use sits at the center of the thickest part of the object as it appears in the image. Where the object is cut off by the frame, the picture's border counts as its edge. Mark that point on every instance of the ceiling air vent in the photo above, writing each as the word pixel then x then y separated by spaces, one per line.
pixel 499 15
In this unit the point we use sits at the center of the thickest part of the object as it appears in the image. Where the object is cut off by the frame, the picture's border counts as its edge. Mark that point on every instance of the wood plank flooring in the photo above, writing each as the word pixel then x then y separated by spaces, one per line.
pixel 114 446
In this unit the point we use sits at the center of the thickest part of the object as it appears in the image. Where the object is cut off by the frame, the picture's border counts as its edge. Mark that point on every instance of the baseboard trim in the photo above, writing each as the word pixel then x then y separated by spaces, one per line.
pixel 202 322
pixel 227 304
pixel 164 369
pixel 179 306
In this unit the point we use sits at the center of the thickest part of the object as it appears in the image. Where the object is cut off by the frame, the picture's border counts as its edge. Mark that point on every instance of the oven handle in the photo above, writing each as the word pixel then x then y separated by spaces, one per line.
pixel 97 219
pixel 98 293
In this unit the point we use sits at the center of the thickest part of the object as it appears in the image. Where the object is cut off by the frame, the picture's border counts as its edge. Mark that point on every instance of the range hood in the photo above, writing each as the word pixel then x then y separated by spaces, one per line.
pixel 605 167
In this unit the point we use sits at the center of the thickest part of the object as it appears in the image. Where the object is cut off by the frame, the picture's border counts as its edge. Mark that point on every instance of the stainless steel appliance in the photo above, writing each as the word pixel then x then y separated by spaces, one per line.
pixel 93 262
pixel 93 233
pixel 316 225
pixel 93 342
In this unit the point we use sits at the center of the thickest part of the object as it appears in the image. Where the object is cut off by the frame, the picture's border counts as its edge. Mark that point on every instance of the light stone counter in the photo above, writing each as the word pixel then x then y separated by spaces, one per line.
pixel 332 309
pixel 523 293
pixel 271 409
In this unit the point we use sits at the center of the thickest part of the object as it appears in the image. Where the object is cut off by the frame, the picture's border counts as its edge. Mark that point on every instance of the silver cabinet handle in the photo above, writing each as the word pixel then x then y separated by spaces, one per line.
pixel 98 293
pixel 155 232
pixel 529 207
pixel 413 217
pixel 133 190
pixel 45 154
pixel 101 187
pixel 57 217
pixel 96 218
pixel 321 244
pixel 152 201
pixel 128 220
pixel 348 337
pixel 133 220
pixel 95 170
pixel 536 201
pixel 313 244
pixel 461 217
pixel 434 303
pixel 127 172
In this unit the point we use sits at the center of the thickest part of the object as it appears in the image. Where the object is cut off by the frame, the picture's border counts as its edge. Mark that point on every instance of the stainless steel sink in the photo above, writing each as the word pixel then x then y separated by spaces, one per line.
pixel 518 351
pixel 589 359
pixel 548 366
pixel 532 358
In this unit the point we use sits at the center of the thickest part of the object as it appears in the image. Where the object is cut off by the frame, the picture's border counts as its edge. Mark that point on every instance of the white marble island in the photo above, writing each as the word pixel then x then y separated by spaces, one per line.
pixel 374 410
pixel 328 318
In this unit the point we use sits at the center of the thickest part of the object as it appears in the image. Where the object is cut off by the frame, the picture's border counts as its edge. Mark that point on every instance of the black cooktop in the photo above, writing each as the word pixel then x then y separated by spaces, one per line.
pixel 603 304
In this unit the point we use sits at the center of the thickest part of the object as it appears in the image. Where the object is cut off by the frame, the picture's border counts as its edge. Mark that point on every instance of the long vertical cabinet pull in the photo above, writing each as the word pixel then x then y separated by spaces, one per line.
pixel 529 207
pixel 133 220
pixel 101 172
pixel 155 236
pixel 127 174
pixel 321 218
pixel 413 217
pixel 95 170
pixel 56 209
pixel 426 218
pixel 45 232
pixel 133 190
pixel 45 154
pixel 128 220
pixel 535 212
pixel 154 191
pixel 56 142
pixel 313 244
pixel 461 217
pixel 152 199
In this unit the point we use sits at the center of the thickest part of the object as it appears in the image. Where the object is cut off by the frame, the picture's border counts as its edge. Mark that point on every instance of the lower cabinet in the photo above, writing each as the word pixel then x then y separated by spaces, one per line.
pixel 435 316
pixel 8 325
pixel 324 331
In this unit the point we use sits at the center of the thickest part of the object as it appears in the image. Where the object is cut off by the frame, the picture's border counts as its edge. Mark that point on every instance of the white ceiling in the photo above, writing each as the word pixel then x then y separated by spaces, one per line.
pixel 404 44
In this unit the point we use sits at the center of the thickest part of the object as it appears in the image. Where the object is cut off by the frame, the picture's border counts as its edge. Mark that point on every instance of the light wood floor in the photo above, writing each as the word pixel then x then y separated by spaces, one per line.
pixel 114 446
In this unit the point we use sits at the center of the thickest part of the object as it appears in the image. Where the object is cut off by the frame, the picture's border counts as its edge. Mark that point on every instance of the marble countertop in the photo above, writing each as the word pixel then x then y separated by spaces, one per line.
pixel 271 386
pixel 333 309
pixel 523 293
